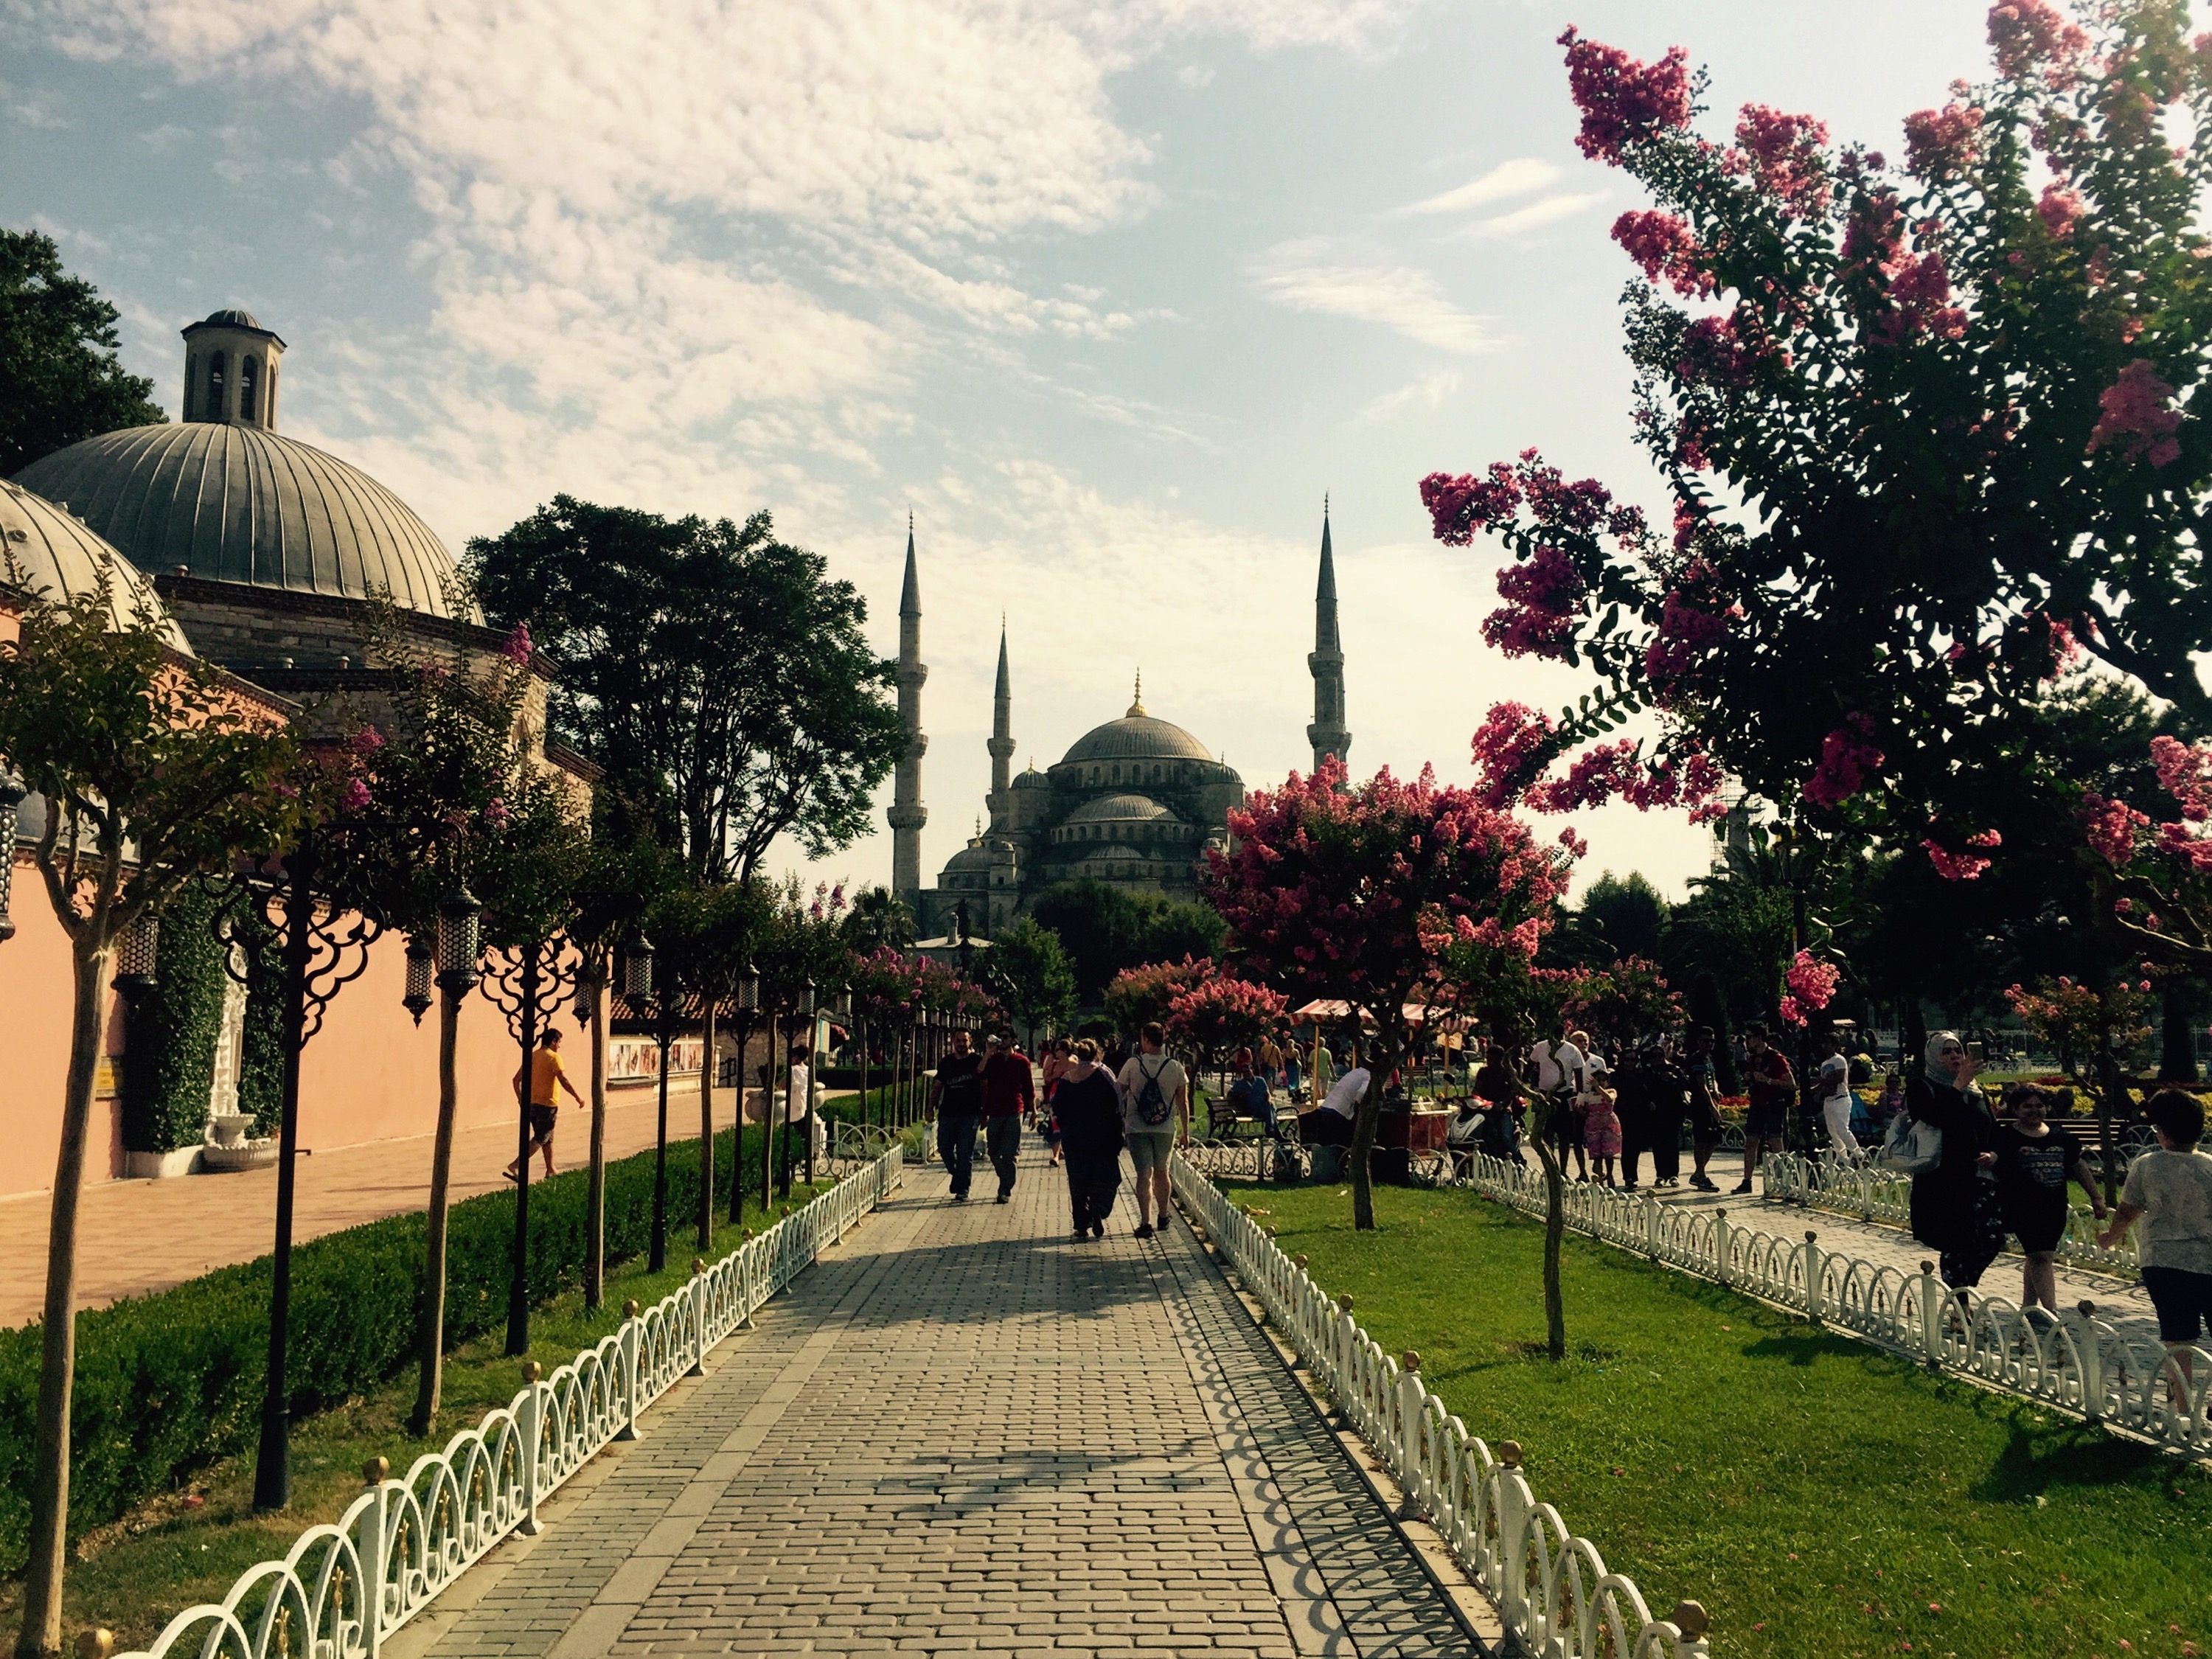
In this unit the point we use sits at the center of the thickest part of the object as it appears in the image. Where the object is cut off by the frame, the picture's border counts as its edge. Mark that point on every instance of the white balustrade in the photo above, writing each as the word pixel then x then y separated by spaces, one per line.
pixel 343 1590
pixel 1552 1588
pixel 2077 1362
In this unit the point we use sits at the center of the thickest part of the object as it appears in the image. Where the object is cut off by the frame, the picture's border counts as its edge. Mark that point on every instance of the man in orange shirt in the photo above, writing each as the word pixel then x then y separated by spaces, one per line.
pixel 545 1076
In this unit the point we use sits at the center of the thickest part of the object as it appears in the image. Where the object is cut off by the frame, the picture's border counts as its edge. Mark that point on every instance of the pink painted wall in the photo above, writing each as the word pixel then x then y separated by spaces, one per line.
pixel 370 1074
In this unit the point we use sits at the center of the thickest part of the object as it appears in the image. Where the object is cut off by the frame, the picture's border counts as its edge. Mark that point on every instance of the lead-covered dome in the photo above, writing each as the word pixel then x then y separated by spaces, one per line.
pixel 1136 736
pixel 1121 809
pixel 51 553
pixel 235 502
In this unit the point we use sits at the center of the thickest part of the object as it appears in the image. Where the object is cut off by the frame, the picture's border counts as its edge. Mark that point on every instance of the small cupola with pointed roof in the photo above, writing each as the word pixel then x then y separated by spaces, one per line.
pixel 230 371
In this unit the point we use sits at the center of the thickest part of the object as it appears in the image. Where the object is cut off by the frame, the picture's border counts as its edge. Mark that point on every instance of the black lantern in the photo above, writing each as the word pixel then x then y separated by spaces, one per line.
pixel 11 796
pixel 637 969
pixel 749 988
pixel 135 954
pixel 459 916
pixel 421 958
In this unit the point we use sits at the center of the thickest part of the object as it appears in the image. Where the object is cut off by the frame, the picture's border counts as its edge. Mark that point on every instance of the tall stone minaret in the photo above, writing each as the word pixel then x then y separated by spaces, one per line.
pixel 1002 738
pixel 1327 734
pixel 908 814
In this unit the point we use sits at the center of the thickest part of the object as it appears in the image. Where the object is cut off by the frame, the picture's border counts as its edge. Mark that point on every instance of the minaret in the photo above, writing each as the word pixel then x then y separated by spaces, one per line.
pixel 1002 734
pixel 1327 734
pixel 908 814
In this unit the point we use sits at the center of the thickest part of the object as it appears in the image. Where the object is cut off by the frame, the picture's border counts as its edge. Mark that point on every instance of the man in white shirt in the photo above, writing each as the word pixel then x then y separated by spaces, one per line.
pixel 1329 1124
pixel 799 1108
pixel 1560 1068
pixel 1835 1100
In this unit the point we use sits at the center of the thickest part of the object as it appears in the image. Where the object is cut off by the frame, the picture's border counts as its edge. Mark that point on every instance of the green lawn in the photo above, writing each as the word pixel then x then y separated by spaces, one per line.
pixel 135 1576
pixel 1819 1496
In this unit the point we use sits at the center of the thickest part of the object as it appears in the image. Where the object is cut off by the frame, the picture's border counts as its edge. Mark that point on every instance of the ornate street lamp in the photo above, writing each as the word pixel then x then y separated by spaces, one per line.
pixel 641 986
pixel 134 955
pixel 803 1020
pixel 637 969
pixel 421 958
pixel 460 916
pixel 11 796
pixel 748 1002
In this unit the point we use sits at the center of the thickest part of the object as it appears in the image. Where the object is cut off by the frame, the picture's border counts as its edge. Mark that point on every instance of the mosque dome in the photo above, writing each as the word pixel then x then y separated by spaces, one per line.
pixel 1121 809
pixel 234 501
pixel 233 317
pixel 49 551
pixel 1136 736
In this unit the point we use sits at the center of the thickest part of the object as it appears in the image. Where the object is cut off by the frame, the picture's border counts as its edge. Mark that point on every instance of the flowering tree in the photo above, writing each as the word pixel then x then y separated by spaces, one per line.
pixel 1353 892
pixel 1137 996
pixel 1924 427
pixel 1220 1014
pixel 1625 1002
pixel 2077 1021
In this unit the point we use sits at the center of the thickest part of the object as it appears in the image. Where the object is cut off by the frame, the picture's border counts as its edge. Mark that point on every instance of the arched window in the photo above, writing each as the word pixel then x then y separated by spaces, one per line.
pixel 213 411
pixel 248 375
pixel 1117 775
pixel 269 398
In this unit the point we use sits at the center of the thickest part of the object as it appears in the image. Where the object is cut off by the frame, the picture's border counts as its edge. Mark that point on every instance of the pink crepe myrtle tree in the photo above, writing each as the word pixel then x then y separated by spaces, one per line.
pixel 1352 892
pixel 2092 1025
pixel 1221 1013
pixel 1137 996
pixel 1925 430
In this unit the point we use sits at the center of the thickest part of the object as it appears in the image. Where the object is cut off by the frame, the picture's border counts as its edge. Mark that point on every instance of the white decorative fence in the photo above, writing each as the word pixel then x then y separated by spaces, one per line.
pixel 1873 1195
pixel 2077 1362
pixel 1552 1588
pixel 343 1590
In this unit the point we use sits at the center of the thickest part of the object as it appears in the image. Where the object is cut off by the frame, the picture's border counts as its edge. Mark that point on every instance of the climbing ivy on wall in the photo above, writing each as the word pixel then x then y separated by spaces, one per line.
pixel 261 1059
pixel 170 1048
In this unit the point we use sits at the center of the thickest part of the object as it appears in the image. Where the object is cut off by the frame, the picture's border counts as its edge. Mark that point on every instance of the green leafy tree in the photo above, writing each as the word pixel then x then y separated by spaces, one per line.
pixel 1629 914
pixel 878 920
pixel 719 677
pixel 1106 928
pixel 1029 972
pixel 58 367
pixel 155 770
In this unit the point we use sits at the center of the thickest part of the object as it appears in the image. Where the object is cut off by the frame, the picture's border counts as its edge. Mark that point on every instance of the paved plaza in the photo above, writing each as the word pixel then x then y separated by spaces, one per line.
pixel 962 1431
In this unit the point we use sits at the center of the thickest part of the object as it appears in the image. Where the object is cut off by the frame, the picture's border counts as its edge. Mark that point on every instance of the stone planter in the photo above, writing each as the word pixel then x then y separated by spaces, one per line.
pixel 160 1166
pixel 227 1129
pixel 245 1155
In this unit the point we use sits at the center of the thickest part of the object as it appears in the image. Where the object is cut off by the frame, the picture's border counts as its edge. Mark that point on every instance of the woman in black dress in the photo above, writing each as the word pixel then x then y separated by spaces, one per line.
pixel 1088 1103
pixel 1955 1208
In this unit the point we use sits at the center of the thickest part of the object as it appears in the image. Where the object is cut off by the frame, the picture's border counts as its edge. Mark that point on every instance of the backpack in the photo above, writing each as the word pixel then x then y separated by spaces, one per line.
pixel 1152 1106
pixel 1911 1146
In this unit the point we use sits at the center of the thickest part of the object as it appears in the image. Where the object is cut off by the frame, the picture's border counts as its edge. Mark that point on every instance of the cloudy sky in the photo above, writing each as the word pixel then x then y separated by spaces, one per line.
pixel 1107 296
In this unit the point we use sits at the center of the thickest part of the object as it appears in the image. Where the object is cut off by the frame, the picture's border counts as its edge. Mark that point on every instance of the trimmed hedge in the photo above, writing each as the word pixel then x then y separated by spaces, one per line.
pixel 169 1068
pixel 168 1384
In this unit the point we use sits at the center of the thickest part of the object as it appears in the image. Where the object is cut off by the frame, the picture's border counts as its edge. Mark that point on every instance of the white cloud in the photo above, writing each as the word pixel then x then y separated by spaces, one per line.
pixel 1502 182
pixel 1548 211
pixel 1428 393
pixel 1312 275
pixel 1194 77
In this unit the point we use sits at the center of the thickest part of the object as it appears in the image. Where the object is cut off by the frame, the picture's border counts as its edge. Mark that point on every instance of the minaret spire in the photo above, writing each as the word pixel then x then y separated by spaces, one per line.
pixel 1002 736
pixel 908 814
pixel 1327 734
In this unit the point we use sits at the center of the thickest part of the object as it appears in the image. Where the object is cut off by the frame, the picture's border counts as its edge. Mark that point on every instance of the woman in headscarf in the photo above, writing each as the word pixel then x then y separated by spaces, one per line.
pixel 1956 1212
pixel 1088 1103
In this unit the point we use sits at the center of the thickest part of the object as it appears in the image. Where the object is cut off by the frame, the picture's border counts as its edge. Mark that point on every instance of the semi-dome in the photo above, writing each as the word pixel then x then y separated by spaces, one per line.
pixel 51 553
pixel 1121 809
pixel 236 503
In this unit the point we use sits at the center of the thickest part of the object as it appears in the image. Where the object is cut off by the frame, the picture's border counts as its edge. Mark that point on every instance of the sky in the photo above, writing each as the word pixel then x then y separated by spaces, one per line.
pixel 1106 297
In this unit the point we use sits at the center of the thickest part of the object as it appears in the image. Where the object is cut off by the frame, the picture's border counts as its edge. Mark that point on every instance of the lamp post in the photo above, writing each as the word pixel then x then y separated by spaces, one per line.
pixel 664 1028
pixel 421 958
pixel 805 1021
pixel 11 796
pixel 748 1000
pixel 528 987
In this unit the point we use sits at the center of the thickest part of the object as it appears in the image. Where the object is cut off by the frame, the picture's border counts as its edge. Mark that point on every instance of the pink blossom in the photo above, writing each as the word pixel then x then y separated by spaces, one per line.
pixel 1954 866
pixel 1541 593
pixel 1783 152
pixel 2031 37
pixel 2135 408
pixel 368 740
pixel 1791 1015
pixel 2059 208
pixel 517 650
pixel 1459 506
pixel 1986 838
pixel 1665 246
pixel 1576 846
pixel 1687 630
pixel 1510 746
pixel 1939 144
pixel 1621 100
pixel 1812 981
pixel 1847 757
pixel 353 795
pixel 495 813
pixel 1713 356
pixel 2110 827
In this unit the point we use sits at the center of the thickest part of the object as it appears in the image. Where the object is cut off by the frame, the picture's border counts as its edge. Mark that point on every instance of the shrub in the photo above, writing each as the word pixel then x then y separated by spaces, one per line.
pixel 170 1383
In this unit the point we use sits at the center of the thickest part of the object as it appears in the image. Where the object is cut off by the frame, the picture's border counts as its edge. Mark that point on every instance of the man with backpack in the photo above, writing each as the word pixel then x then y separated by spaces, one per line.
pixel 1156 1106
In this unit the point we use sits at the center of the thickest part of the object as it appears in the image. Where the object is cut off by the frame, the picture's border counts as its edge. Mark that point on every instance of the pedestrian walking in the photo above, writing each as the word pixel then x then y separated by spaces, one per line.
pixel 544 1078
pixel 2034 1163
pixel 1009 1090
pixel 1088 1105
pixel 1056 1062
pixel 1156 1115
pixel 1772 1088
pixel 1833 1088
pixel 1601 1132
pixel 2168 1196
pixel 1558 1071
pixel 1955 1209
pixel 955 1099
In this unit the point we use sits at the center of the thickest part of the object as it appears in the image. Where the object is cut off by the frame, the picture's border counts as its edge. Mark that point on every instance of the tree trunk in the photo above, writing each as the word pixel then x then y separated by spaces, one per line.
pixel 1555 1224
pixel 432 1362
pixel 595 1199
pixel 1381 1062
pixel 707 1129
pixel 2111 1092
pixel 2177 1058
pixel 41 1631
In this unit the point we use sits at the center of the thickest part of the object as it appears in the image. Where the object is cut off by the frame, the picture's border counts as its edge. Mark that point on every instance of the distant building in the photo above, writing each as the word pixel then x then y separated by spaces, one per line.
pixel 1135 802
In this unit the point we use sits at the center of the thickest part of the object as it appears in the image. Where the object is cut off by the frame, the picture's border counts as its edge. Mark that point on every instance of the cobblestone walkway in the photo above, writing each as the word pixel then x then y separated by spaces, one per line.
pixel 963 1432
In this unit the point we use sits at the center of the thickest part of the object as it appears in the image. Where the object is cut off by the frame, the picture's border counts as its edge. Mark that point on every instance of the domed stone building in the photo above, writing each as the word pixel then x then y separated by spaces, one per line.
pixel 1135 802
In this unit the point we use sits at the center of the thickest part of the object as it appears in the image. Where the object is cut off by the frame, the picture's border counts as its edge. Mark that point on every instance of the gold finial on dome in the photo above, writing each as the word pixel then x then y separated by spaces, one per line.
pixel 1137 704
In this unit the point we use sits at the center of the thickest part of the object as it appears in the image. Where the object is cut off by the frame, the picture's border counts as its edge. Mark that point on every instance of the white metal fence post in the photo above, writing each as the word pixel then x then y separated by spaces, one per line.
pixel 369 1545
pixel 1691 1619
pixel 1812 1259
pixel 529 1427
pixel 1413 1421
pixel 1651 1224
pixel 698 1289
pixel 2092 1354
pixel 633 1345
pixel 1720 1246
pixel 1514 1502
pixel 1931 1316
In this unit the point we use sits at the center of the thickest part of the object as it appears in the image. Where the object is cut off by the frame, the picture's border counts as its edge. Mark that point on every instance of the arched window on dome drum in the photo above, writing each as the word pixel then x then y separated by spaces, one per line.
pixel 248 379
pixel 213 411
pixel 269 398
pixel 191 383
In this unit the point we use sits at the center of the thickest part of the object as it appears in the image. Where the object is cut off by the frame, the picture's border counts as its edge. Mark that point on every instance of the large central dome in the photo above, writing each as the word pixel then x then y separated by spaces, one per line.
pixel 1136 736
pixel 235 502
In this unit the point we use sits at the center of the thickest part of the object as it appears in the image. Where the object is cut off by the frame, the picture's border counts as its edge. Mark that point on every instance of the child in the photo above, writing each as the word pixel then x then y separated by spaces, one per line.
pixel 2035 1161
pixel 1601 1132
